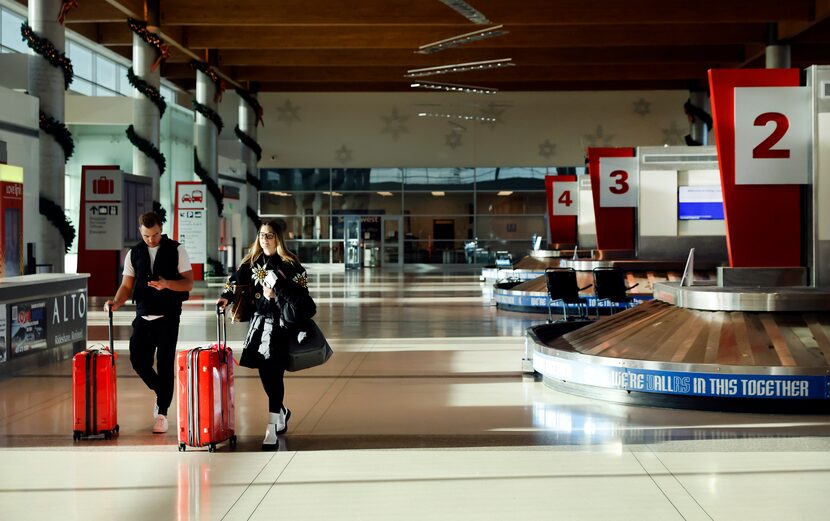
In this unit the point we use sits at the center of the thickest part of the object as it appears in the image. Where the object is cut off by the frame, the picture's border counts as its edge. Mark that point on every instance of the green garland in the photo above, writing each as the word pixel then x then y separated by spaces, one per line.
pixel 47 49
pixel 248 97
pixel 159 210
pixel 208 71
pixel 149 92
pixel 153 40
pixel 55 215
pixel 253 180
pixel 254 217
pixel 149 149
pixel 58 130
pixel 212 187
pixel 249 142
pixel 209 113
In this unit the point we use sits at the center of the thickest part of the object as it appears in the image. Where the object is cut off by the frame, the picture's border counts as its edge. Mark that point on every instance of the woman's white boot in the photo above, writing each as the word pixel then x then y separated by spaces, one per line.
pixel 270 441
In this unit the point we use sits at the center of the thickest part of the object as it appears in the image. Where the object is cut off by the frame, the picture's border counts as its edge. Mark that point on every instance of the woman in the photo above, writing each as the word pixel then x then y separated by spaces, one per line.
pixel 281 304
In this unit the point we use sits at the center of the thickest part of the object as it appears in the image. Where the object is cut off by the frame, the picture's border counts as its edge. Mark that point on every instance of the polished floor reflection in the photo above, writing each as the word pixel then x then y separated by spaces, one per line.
pixel 423 412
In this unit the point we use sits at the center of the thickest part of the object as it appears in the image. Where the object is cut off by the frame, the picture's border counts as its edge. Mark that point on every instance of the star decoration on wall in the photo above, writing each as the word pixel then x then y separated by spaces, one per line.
pixel 343 154
pixel 288 113
pixel 547 149
pixel 395 124
pixel 674 135
pixel 493 115
pixel 642 107
pixel 599 138
pixel 453 139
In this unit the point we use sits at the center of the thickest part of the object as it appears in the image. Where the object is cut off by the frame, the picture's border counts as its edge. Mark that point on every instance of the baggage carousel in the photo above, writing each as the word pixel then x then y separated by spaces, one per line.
pixel 703 347
pixel 534 264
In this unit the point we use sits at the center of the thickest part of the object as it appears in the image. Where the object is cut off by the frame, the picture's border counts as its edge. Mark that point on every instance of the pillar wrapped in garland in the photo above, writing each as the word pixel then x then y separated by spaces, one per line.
pixel 50 73
pixel 250 116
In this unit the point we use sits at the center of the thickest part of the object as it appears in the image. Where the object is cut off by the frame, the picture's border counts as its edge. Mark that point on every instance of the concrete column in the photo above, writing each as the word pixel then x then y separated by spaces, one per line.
pixel 46 83
pixel 697 128
pixel 206 135
pixel 146 115
pixel 248 125
pixel 777 51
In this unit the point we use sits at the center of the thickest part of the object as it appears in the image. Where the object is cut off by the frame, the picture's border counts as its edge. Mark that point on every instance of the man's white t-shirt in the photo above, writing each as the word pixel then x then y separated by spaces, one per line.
pixel 184 266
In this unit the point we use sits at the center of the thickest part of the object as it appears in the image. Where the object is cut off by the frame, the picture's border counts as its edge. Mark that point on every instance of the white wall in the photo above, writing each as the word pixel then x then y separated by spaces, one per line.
pixel 19 111
pixel 384 130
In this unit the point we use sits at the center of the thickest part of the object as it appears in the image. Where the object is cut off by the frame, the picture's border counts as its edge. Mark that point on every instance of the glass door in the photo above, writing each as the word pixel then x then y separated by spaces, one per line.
pixel 351 242
pixel 392 240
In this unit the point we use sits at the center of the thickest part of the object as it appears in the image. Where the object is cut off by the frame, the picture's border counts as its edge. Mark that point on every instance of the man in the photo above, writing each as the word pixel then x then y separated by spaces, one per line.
pixel 159 270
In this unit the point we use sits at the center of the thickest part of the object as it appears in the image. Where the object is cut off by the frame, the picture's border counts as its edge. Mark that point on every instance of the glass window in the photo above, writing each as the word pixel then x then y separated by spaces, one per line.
pixel 10 32
pixel 101 91
pixel 294 203
pixel 366 179
pixel 512 178
pixel 82 87
pixel 439 203
pixel 382 202
pixel 517 228
pixel 124 86
pixel 105 73
pixel 295 179
pixel 81 61
pixel 510 202
pixel 168 94
pixel 439 178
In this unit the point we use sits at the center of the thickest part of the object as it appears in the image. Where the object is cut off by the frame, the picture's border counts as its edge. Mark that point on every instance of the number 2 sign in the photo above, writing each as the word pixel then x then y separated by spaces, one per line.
pixel 773 135
pixel 618 181
pixel 565 198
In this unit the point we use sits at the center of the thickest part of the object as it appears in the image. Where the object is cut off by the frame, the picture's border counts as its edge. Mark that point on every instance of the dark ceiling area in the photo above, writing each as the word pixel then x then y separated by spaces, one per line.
pixel 553 45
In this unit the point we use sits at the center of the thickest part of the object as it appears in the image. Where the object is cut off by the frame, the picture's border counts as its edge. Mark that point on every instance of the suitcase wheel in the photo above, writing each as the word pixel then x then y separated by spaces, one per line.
pixel 233 442
pixel 108 435
pixel 116 429
pixel 212 447
pixel 76 435
pixel 182 447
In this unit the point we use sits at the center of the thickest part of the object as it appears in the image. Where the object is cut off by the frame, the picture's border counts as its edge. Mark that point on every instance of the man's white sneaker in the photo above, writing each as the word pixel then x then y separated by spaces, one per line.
pixel 155 411
pixel 160 427
pixel 270 441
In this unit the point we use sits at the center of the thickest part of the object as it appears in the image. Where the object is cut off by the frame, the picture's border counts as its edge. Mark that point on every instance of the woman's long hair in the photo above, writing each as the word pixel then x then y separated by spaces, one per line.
pixel 282 250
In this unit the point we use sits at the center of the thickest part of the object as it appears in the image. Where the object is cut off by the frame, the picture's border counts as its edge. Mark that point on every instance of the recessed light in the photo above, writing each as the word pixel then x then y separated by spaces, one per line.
pixel 385 194
pixel 505 193
pixel 438 194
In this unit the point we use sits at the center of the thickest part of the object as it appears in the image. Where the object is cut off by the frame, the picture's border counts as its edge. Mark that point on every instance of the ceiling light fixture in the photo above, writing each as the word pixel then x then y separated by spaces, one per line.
pixel 333 194
pixel 461 39
pixel 438 194
pixel 466 117
pixel 505 193
pixel 453 87
pixel 385 194
pixel 467 11
pixel 281 194
pixel 460 67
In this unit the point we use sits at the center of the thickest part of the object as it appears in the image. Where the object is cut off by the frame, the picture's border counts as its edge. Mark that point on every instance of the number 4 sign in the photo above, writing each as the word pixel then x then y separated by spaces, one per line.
pixel 773 135
pixel 565 198
pixel 618 181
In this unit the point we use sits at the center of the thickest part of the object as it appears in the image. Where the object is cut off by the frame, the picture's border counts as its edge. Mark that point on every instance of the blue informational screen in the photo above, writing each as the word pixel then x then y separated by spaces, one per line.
pixel 700 203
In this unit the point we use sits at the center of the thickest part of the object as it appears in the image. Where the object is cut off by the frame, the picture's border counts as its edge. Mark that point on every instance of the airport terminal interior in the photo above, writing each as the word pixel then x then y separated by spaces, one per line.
pixel 571 259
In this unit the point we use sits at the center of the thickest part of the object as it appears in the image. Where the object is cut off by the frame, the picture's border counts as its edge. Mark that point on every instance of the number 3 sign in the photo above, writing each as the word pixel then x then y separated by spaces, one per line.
pixel 618 180
pixel 773 135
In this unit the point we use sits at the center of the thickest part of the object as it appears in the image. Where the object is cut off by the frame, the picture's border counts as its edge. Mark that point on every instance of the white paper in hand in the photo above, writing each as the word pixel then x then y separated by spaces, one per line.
pixel 270 279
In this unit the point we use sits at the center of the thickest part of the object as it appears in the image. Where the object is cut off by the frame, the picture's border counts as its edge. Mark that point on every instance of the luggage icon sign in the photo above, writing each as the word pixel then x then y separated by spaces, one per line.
pixel 196 196
pixel 103 185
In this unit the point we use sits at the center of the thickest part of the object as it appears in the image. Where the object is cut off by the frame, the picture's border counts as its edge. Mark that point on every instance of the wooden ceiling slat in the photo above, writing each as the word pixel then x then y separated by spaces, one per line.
pixel 536 56
pixel 383 74
pixel 411 37
pixel 559 12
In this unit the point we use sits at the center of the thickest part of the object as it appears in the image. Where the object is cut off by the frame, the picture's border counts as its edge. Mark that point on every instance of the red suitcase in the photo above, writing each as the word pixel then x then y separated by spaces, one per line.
pixel 205 393
pixel 94 400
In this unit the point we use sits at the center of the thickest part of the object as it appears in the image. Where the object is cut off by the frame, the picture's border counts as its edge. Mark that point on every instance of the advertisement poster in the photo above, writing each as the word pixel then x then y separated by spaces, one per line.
pixel 28 327
pixel 3 342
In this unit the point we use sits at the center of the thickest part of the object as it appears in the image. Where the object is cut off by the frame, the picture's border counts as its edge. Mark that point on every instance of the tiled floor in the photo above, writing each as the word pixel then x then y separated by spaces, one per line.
pixel 422 413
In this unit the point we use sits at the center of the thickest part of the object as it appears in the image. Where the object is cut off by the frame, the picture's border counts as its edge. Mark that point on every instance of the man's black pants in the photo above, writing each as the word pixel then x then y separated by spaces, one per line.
pixel 156 337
